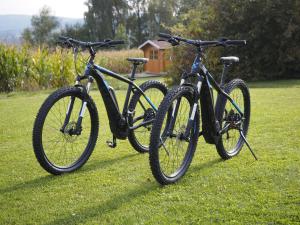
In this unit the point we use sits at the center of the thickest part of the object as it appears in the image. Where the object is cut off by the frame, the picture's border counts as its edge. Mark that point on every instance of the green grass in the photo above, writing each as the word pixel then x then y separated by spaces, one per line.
pixel 117 187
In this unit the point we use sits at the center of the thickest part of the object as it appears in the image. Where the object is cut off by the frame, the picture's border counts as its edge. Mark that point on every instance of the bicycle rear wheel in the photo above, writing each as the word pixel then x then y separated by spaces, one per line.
pixel 59 146
pixel 231 142
pixel 171 150
pixel 142 112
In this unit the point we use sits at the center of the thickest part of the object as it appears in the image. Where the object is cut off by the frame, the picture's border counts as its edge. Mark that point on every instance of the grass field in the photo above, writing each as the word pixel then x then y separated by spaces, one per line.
pixel 117 187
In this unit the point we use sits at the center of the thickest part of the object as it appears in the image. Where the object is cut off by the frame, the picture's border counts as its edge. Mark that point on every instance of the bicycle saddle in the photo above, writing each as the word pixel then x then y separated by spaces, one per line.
pixel 138 60
pixel 230 59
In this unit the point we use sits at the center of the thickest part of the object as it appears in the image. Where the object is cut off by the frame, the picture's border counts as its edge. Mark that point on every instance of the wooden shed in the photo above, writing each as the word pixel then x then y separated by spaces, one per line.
pixel 157 52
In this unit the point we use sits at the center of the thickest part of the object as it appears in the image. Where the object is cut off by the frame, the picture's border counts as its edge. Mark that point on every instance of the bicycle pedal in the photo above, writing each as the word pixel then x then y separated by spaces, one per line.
pixel 111 144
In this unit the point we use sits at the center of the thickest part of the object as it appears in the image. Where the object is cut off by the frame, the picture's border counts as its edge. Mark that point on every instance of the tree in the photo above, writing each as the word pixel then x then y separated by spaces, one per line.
pixel 161 15
pixel 103 17
pixel 42 27
pixel 142 19
pixel 27 36
pixel 136 23
pixel 77 31
pixel 121 35
pixel 271 28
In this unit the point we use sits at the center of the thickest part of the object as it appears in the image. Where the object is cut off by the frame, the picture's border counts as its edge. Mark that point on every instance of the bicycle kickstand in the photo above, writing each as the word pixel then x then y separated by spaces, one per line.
pixel 113 143
pixel 247 143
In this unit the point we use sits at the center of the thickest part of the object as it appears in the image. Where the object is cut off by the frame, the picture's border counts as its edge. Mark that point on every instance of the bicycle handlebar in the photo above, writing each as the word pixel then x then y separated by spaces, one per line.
pixel 163 35
pixel 237 42
pixel 175 40
pixel 70 42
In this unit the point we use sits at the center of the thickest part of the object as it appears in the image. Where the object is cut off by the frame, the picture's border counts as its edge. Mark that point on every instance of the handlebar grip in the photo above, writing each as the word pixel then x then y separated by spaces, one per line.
pixel 163 35
pixel 236 42
pixel 117 42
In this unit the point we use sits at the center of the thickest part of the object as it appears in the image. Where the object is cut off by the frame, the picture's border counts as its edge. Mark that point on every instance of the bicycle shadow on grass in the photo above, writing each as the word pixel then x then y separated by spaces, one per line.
pixel 205 165
pixel 116 202
pixel 48 179
pixel 102 164
pixel 105 207
pixel 40 181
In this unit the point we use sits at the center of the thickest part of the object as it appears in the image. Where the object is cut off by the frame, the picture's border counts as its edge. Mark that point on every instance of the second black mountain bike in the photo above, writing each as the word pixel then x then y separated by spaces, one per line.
pixel 175 131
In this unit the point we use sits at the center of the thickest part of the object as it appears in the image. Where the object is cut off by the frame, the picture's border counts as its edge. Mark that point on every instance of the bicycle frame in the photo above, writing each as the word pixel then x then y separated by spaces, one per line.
pixel 204 93
pixel 117 120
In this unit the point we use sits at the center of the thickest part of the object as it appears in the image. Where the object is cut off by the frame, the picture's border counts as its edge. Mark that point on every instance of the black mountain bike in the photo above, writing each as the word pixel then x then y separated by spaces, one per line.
pixel 66 127
pixel 175 132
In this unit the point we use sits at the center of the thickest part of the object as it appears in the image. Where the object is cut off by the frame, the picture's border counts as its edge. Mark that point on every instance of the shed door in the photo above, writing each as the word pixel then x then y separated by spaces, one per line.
pixel 153 64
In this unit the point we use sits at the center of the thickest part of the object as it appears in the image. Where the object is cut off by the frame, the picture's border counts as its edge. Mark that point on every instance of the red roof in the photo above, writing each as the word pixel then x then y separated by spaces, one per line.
pixel 156 44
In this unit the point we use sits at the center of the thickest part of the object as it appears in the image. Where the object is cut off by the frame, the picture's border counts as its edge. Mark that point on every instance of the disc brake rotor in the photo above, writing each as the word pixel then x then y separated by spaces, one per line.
pixel 70 132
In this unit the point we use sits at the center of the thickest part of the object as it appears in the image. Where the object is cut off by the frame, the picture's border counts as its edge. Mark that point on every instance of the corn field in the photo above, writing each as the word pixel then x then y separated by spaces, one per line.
pixel 23 68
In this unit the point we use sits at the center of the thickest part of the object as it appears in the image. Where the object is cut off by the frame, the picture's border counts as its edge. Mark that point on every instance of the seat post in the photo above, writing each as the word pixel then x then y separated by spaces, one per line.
pixel 132 76
pixel 224 73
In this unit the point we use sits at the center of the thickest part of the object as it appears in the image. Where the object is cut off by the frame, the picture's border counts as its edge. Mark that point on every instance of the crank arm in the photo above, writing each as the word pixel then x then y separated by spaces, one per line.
pixel 224 129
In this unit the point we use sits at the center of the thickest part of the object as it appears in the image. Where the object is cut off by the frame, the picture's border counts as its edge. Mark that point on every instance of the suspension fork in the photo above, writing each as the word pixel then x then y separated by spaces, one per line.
pixel 82 109
pixel 68 113
pixel 195 106
pixel 70 108
pixel 192 113
pixel 174 113
pixel 84 103
pixel 173 117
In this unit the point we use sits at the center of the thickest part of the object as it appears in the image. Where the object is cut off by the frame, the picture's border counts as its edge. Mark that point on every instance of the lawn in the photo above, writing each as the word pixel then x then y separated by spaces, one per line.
pixel 116 185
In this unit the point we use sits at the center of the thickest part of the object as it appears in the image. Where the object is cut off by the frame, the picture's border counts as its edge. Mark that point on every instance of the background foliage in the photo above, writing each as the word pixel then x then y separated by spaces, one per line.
pixel 25 68
pixel 271 28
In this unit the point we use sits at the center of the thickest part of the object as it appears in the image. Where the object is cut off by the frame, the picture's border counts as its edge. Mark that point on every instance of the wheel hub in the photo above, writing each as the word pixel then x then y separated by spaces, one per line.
pixel 149 114
pixel 70 132
pixel 234 119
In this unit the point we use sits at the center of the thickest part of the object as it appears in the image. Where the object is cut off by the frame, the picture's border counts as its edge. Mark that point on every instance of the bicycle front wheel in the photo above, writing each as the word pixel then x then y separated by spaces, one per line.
pixel 172 144
pixel 59 144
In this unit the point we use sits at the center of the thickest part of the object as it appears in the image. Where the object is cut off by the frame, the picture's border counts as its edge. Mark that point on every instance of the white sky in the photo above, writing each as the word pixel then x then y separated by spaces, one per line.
pixel 62 8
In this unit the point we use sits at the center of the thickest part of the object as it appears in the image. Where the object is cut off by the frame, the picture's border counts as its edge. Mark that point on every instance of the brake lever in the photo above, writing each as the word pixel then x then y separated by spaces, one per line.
pixel 173 42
